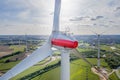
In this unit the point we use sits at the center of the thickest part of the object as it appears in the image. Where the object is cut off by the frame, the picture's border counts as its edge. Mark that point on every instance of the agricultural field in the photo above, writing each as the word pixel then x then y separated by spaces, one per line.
pixel 6 66
pixel 80 70
pixel 8 60
pixel 17 48
pixel 5 50
pixel 106 47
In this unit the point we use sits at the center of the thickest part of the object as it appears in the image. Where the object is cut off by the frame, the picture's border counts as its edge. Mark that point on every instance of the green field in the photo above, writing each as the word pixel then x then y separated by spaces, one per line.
pixel 33 69
pixel 6 66
pixel 17 48
pixel 105 47
pixel 113 77
pixel 79 71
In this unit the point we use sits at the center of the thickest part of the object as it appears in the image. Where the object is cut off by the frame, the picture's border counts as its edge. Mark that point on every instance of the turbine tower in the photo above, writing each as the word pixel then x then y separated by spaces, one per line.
pixel 98 46
pixel 26 43
pixel 64 43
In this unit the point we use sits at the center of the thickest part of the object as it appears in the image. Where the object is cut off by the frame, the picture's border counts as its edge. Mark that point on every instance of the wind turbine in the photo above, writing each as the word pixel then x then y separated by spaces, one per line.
pixel 98 46
pixel 57 39
pixel 98 43
pixel 26 43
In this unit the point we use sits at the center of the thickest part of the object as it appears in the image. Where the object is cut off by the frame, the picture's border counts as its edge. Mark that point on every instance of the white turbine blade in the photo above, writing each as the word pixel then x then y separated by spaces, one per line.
pixel 56 15
pixel 31 60
pixel 102 32
pixel 94 32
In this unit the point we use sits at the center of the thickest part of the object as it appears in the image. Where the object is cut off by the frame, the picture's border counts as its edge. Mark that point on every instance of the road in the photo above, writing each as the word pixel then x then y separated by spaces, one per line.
pixel 49 60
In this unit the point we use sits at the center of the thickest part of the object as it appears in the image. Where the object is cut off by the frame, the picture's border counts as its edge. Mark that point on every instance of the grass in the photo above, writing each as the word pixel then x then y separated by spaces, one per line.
pixel 119 71
pixel 32 69
pixel 4 59
pixel 79 71
pixel 6 66
pixel 118 46
pixel 113 77
pixel 57 53
pixel 105 47
pixel 26 72
pixel 82 50
pixel 17 48
pixel 50 75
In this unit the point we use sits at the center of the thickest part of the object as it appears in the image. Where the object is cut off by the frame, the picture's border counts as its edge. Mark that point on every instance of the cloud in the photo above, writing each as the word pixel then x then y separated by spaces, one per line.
pixel 97 18
pixel 113 3
pixel 79 18
pixel 74 13
pixel 117 9
pixel 25 10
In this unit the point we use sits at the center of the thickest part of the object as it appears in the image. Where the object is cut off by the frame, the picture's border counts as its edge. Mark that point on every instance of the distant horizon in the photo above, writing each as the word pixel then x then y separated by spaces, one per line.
pixel 49 35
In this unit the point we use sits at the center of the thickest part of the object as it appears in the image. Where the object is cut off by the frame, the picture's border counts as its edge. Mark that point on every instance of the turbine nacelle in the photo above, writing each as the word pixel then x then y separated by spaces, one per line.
pixel 63 40
pixel 64 43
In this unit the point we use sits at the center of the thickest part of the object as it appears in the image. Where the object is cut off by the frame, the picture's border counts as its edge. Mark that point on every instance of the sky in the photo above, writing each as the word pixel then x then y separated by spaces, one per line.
pixel 81 17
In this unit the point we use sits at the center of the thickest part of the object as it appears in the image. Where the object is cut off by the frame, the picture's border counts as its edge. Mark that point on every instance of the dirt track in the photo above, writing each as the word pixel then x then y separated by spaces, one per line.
pixel 98 73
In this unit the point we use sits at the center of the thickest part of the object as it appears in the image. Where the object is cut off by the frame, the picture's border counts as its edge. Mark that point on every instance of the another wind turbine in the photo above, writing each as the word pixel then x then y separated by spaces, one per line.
pixel 26 43
pixel 57 39
pixel 98 46
pixel 98 43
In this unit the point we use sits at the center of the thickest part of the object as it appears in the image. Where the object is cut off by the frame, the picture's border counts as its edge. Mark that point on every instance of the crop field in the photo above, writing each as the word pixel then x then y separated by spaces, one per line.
pixel 9 50
pixel 6 66
pixel 105 47
pixel 16 48
pixel 5 50
pixel 80 70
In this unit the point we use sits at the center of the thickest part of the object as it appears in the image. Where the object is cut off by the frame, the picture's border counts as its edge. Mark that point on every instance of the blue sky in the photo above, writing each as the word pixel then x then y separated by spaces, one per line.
pixel 81 16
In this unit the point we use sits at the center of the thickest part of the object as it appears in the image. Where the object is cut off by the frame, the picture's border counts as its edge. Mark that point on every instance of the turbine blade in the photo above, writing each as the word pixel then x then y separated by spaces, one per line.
pixel 31 60
pixel 79 55
pixel 56 15
pixel 102 32
pixel 94 32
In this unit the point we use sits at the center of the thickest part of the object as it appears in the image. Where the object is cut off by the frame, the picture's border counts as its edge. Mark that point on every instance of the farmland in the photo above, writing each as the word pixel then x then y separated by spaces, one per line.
pixel 5 50
pixel 50 70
